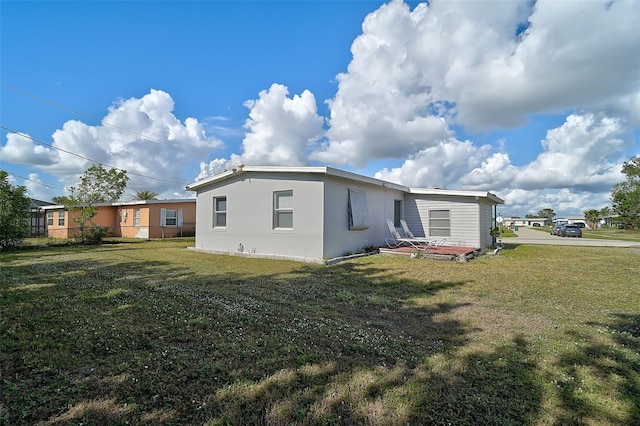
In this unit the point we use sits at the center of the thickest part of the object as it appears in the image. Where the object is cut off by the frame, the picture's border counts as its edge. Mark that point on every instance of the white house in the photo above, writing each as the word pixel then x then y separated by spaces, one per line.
pixel 318 213
pixel 526 221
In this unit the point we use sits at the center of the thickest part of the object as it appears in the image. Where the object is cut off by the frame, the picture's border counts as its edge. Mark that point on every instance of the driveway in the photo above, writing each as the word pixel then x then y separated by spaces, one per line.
pixel 531 236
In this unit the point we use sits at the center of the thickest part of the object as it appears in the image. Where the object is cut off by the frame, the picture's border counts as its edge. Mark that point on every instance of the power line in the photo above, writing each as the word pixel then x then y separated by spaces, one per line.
pixel 51 186
pixel 46 185
pixel 87 158
pixel 22 92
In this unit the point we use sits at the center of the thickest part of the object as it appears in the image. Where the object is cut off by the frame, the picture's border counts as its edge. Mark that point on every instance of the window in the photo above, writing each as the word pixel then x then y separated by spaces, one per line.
pixel 61 217
pixel 283 209
pixel 397 212
pixel 358 210
pixel 439 223
pixel 220 212
pixel 136 217
pixel 171 217
pixel 49 217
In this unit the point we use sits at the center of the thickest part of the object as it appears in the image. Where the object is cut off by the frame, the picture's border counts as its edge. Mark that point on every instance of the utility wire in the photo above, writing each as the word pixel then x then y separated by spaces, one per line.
pixel 51 186
pixel 47 185
pixel 22 92
pixel 87 158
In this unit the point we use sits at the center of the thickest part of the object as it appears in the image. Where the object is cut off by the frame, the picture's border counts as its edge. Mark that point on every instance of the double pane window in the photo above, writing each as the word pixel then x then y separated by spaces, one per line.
pixel 283 209
pixel 171 218
pixel 439 223
pixel 220 212
pixel 61 217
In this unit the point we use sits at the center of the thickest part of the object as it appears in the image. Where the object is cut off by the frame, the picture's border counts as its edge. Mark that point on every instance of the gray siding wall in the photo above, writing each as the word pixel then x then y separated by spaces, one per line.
pixel 464 216
pixel 338 238
pixel 486 223
pixel 250 217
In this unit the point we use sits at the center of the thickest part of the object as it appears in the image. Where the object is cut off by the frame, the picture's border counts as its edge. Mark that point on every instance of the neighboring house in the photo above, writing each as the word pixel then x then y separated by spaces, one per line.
pixel 38 227
pixel 318 213
pixel 527 221
pixel 133 219
pixel 609 221
pixel 576 219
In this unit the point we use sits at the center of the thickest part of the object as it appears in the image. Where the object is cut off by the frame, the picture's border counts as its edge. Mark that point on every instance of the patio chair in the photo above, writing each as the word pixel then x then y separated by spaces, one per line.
pixel 408 234
pixel 396 240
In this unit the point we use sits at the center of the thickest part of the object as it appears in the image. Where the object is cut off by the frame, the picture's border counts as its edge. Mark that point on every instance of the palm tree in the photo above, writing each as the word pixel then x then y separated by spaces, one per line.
pixel 592 216
pixel 146 195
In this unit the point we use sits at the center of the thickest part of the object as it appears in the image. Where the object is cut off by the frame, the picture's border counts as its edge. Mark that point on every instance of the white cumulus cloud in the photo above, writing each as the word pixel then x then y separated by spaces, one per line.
pixel 279 131
pixel 140 135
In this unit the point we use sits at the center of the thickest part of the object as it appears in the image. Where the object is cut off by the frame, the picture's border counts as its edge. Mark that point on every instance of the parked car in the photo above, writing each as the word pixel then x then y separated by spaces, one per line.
pixel 556 229
pixel 536 225
pixel 580 224
pixel 571 231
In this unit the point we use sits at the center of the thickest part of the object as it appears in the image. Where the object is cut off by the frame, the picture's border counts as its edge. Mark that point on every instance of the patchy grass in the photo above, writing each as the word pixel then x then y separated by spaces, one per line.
pixel 150 333
pixel 612 234
pixel 507 232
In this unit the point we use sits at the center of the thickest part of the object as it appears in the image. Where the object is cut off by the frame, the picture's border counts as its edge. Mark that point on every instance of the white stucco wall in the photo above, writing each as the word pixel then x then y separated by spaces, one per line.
pixel 250 216
pixel 320 214
pixel 338 238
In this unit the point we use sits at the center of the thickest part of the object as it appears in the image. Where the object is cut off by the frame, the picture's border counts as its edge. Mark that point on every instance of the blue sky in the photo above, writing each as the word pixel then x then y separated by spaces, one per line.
pixel 449 94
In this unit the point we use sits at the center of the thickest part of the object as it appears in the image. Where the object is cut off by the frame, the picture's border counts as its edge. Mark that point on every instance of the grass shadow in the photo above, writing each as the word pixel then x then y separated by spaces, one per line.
pixel 111 335
pixel 610 362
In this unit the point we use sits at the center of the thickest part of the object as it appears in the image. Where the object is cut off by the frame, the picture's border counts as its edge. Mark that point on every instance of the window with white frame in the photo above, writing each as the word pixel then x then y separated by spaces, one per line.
pixel 61 217
pixel 358 210
pixel 220 212
pixel 283 209
pixel 49 217
pixel 171 217
pixel 439 223
pixel 136 217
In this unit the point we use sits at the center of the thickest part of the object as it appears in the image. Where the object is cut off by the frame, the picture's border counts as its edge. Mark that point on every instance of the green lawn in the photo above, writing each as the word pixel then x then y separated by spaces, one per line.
pixel 151 333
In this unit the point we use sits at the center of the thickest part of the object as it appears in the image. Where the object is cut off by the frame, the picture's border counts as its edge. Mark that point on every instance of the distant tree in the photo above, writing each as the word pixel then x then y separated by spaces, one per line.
pixel 626 195
pixel 592 217
pixel 96 186
pixel 547 213
pixel 146 195
pixel 14 213
pixel 63 200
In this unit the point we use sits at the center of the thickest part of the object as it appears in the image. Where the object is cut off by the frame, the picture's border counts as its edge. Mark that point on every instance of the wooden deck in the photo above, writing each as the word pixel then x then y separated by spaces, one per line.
pixel 462 254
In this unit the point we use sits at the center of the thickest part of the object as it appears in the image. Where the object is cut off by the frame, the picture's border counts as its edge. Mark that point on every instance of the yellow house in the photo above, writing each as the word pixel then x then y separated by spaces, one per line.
pixel 133 219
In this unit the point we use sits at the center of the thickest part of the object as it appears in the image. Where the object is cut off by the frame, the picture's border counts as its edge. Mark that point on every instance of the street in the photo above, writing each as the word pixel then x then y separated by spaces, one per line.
pixel 531 236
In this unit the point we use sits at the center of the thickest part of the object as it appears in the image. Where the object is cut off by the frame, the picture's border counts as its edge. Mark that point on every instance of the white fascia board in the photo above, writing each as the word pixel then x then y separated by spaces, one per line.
pixel 220 176
pixel 365 179
pixel 142 202
pixel 457 193
pixel 330 171
pixel 128 203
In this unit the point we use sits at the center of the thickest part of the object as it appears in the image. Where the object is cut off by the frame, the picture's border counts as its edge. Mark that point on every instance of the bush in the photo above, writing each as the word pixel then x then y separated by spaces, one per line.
pixel 95 234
